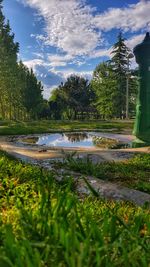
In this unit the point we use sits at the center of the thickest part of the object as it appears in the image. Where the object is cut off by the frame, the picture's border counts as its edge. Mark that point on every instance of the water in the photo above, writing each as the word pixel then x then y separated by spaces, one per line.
pixel 80 139
pixel 67 140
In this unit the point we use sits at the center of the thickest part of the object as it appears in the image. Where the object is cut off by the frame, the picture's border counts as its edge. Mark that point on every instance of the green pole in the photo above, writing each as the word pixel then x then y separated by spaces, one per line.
pixel 142 121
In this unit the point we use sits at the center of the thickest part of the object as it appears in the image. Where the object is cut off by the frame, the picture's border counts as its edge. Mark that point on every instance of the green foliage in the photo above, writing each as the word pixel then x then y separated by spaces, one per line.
pixel 30 91
pixel 20 92
pixel 47 126
pixel 45 224
pixel 120 53
pixel 110 83
pixel 120 62
pixel 71 98
pixel 104 85
pixel 8 65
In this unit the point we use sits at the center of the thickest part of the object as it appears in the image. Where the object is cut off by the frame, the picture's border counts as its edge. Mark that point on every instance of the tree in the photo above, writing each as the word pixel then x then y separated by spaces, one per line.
pixel 72 97
pixel 120 62
pixel 30 91
pixel 44 110
pixel 20 91
pixel 110 80
pixel 104 84
pixel 78 94
pixel 133 91
pixel 57 103
pixel 8 65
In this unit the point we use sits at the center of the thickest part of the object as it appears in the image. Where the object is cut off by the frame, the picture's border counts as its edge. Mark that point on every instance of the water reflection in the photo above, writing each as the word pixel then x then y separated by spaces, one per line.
pixel 80 139
pixel 67 140
pixel 76 137
pixel 31 140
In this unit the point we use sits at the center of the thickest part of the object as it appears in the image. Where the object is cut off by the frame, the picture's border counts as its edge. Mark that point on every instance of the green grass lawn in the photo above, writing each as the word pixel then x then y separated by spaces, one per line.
pixel 133 173
pixel 45 126
pixel 43 223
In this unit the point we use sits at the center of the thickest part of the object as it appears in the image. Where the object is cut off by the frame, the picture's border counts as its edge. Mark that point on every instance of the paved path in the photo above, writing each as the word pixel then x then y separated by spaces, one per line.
pixel 106 190
pixel 114 191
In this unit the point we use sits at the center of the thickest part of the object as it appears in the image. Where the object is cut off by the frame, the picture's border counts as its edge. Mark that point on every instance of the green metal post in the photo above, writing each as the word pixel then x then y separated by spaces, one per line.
pixel 142 122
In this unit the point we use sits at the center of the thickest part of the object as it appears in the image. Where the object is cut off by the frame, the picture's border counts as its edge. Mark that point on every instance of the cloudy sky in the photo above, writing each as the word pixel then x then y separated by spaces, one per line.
pixel 63 37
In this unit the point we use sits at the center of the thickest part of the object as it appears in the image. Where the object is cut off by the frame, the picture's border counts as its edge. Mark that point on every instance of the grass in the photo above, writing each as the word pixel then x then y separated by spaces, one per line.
pixel 45 126
pixel 133 173
pixel 43 223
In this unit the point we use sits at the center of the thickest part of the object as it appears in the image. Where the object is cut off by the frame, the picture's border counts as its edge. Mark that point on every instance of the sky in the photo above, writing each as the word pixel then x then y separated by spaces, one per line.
pixel 59 38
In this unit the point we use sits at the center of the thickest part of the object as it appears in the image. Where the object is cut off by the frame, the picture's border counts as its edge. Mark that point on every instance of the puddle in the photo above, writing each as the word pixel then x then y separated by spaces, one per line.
pixel 81 139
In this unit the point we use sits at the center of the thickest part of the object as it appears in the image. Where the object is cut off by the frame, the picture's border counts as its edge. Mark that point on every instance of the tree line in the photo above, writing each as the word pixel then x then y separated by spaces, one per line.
pixel 20 91
pixel 77 98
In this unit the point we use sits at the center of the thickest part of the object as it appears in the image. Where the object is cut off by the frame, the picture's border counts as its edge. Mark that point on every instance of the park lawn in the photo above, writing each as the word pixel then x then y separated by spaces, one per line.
pixel 43 223
pixel 47 126
pixel 133 173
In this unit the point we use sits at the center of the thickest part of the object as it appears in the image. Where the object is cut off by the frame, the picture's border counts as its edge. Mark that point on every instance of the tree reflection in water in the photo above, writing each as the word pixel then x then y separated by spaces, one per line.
pixel 31 140
pixel 76 137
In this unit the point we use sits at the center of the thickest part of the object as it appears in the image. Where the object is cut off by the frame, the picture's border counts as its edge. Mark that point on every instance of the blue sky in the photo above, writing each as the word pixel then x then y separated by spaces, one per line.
pixel 63 37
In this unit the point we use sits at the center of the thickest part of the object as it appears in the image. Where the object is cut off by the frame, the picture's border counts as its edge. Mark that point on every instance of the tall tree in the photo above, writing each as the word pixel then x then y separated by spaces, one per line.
pixel 133 91
pixel 120 63
pixel 8 64
pixel 110 82
pixel 104 84
pixel 30 91
pixel 58 103
pixel 20 92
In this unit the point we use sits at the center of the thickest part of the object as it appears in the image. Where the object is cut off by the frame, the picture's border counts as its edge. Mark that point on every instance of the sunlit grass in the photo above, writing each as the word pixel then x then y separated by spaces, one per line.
pixel 133 173
pixel 43 223
pixel 10 127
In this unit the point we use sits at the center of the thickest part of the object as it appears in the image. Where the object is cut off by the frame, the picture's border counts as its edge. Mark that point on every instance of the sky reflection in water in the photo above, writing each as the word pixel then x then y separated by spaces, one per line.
pixel 84 139
pixel 67 140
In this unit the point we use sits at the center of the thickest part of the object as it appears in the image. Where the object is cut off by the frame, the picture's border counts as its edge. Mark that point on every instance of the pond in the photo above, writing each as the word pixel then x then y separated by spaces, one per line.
pixel 81 139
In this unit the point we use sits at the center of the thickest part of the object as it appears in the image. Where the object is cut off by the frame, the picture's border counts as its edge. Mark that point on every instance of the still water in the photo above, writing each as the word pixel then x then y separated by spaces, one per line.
pixel 67 140
pixel 79 139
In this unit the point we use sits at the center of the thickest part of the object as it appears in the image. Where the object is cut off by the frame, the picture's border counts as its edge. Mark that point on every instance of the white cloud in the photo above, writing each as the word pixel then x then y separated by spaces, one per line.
pixel 48 90
pixel 101 53
pixel 33 63
pixel 76 31
pixel 58 64
pixel 53 57
pixel 134 17
pixel 68 25
pixel 131 43
pixel 73 27
pixel 38 55
pixel 134 40
pixel 68 72
pixel 58 60
pixel 51 77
